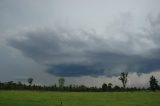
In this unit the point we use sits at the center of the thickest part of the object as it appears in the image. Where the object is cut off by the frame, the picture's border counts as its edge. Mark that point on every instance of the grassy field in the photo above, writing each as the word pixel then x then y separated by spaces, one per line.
pixel 35 98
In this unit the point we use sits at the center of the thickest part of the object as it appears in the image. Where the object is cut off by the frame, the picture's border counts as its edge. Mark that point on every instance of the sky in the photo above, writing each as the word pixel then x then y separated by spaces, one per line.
pixel 87 42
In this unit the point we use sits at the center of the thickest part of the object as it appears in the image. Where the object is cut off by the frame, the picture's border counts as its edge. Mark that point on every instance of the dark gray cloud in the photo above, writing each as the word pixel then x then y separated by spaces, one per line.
pixel 73 70
pixel 79 52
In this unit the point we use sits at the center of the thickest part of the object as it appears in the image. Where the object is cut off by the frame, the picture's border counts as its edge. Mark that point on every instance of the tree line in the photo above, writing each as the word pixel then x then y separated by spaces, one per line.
pixel 78 88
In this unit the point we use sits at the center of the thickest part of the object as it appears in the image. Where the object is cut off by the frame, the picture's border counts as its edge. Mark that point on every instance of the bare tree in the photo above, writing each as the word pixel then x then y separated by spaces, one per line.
pixel 123 78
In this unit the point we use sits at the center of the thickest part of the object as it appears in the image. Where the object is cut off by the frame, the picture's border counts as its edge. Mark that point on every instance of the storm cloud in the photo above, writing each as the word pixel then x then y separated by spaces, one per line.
pixel 77 52
pixel 85 41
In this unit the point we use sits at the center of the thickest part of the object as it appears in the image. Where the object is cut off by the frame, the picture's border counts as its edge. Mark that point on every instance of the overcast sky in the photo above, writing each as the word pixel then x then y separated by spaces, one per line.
pixel 85 41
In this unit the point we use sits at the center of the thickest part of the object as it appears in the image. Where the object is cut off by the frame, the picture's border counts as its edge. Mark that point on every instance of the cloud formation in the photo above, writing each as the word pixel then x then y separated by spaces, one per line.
pixel 76 52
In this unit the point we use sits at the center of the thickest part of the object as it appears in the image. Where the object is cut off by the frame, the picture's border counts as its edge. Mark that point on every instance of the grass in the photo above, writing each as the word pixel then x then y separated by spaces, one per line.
pixel 36 98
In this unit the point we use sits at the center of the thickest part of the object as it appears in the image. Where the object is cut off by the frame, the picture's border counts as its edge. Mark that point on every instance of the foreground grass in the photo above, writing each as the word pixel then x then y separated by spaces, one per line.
pixel 35 98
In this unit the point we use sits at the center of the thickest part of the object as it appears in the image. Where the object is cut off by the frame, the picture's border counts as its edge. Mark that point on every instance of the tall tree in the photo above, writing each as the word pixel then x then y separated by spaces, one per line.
pixel 153 83
pixel 61 82
pixel 123 78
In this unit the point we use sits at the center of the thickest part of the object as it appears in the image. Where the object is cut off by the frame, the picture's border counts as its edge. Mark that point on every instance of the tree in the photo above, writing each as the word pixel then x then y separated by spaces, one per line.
pixel 123 78
pixel 61 82
pixel 30 81
pixel 153 83
pixel 117 88
pixel 104 86
pixel 110 86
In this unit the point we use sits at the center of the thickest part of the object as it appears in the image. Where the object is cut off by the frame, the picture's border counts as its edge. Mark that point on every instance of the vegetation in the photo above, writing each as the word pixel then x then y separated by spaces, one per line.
pixel 104 87
pixel 123 78
pixel 78 88
pixel 78 95
pixel 30 80
pixel 61 82
pixel 35 98
pixel 153 83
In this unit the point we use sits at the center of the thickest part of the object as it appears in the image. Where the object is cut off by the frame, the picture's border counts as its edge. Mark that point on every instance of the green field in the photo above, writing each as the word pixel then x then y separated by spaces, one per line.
pixel 35 98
